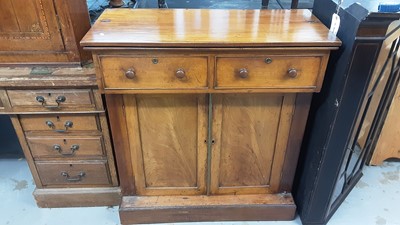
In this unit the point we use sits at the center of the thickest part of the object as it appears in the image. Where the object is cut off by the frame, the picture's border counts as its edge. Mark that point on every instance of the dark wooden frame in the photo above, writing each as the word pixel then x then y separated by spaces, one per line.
pixel 333 121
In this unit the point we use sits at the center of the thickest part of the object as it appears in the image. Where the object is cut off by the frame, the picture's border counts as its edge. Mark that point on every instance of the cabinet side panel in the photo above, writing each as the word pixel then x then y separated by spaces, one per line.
pixel 116 114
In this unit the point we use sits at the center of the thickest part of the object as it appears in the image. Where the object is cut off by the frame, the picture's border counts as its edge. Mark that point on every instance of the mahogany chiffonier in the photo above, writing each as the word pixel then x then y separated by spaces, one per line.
pixel 60 121
pixel 207 108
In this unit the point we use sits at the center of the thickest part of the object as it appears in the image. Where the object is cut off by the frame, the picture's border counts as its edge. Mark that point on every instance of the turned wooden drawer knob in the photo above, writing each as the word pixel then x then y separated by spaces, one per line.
pixel 243 73
pixel 292 73
pixel 130 73
pixel 180 73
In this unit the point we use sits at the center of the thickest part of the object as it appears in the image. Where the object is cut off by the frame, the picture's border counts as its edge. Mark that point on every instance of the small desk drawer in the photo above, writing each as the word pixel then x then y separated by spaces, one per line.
pixel 267 72
pixel 71 147
pixel 154 72
pixel 73 173
pixel 45 100
pixel 59 123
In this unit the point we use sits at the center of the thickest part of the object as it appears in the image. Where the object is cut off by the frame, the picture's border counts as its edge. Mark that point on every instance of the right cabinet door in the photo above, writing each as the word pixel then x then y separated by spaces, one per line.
pixel 250 134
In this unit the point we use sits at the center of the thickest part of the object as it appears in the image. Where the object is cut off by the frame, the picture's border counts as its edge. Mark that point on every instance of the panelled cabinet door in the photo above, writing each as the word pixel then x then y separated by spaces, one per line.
pixel 250 135
pixel 28 25
pixel 167 136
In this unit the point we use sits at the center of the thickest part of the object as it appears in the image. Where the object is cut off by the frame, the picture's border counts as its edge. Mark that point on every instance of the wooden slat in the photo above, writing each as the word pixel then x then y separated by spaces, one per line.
pixel 226 28
pixel 298 124
pixel 161 209
pixel 77 197
pixel 108 149
pixel 116 114
pixel 25 77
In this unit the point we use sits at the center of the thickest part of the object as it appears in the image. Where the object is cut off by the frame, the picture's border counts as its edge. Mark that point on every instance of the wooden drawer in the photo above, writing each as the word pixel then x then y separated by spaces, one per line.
pixel 154 72
pixel 59 123
pixel 45 100
pixel 73 173
pixel 68 147
pixel 268 72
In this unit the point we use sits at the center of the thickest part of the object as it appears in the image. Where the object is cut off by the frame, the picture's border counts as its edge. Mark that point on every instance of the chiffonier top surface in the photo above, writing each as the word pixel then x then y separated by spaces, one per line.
pixel 208 28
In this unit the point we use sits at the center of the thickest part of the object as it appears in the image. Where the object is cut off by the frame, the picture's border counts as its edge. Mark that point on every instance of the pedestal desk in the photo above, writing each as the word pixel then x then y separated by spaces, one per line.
pixel 207 108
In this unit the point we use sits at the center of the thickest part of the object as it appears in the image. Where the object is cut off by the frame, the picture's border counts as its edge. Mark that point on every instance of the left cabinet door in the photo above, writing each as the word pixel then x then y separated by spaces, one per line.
pixel 167 139
pixel 29 25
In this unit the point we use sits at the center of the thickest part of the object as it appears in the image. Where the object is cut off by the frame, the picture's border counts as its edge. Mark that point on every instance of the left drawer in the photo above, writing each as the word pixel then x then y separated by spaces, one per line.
pixel 52 100
pixel 60 123
pixel 73 173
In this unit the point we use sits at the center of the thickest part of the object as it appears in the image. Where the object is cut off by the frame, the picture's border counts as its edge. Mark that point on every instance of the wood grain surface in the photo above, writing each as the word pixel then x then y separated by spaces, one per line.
pixel 43 31
pixel 274 74
pixel 74 98
pixel 158 209
pixel 250 133
pixel 96 173
pixel 77 197
pixel 38 122
pixel 154 72
pixel 167 134
pixel 208 28
pixel 43 147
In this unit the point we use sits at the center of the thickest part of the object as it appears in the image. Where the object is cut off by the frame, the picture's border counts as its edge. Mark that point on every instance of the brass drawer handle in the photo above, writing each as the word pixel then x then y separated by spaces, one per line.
pixel 243 73
pixel 67 124
pixel 292 73
pixel 130 73
pixel 58 100
pixel 180 73
pixel 73 148
pixel 76 178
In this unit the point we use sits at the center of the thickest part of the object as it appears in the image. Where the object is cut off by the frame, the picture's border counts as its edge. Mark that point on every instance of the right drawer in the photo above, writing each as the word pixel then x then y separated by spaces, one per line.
pixel 73 173
pixel 60 123
pixel 69 147
pixel 268 72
